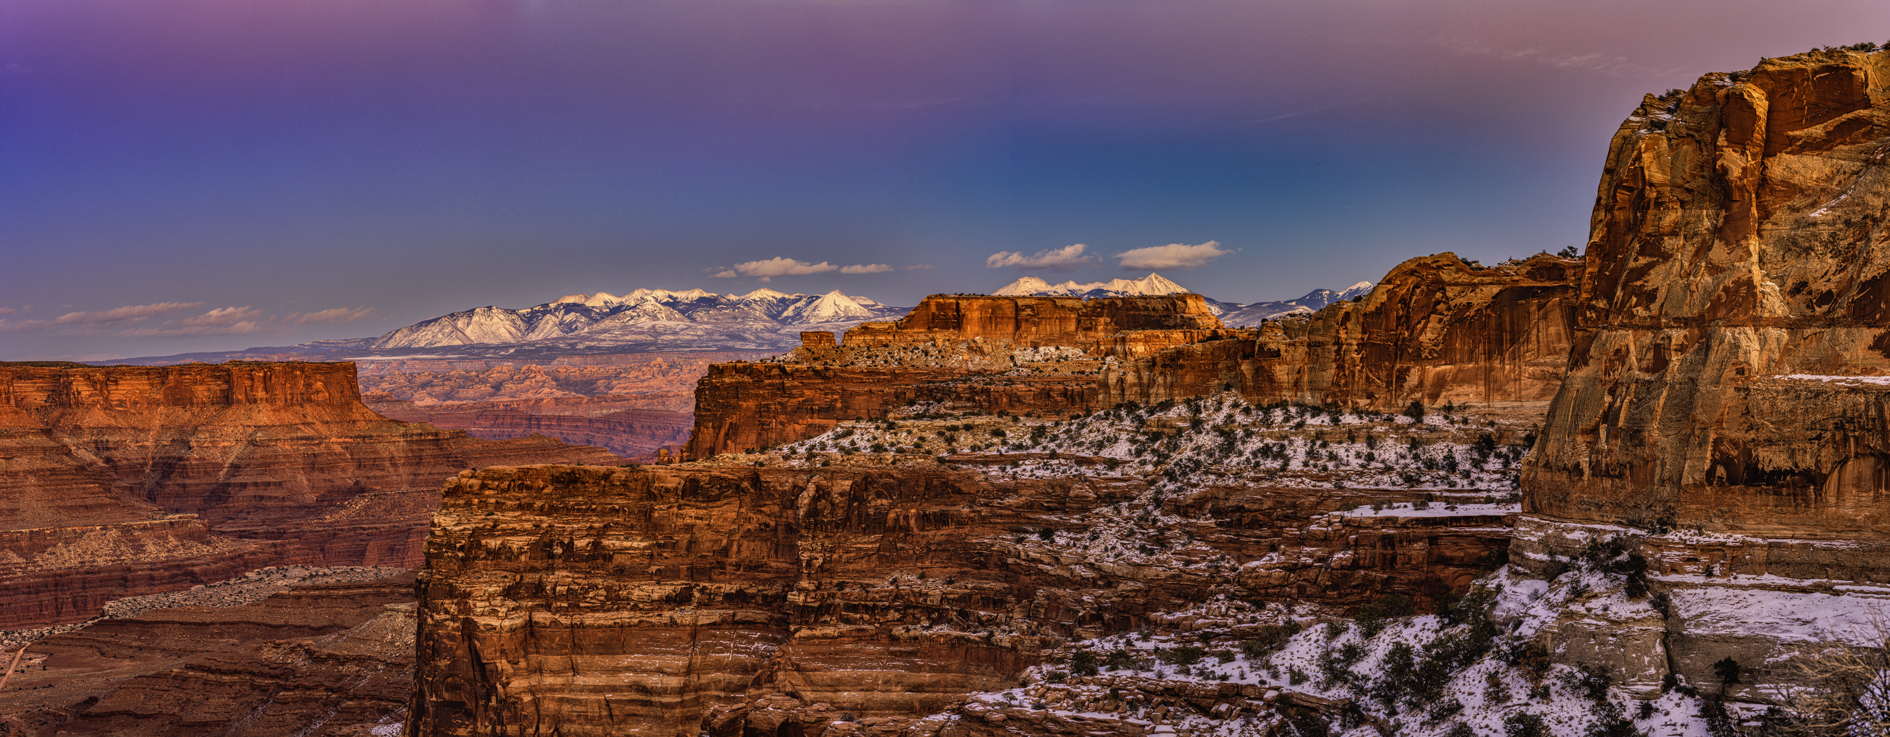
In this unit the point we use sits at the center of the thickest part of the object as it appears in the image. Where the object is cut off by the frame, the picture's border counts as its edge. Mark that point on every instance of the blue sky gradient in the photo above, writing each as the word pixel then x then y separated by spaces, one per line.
pixel 185 175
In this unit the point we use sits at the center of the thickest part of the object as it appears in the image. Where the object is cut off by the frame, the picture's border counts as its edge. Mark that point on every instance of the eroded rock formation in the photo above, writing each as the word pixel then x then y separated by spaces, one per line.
pixel 117 481
pixel 326 659
pixel 1738 265
pixel 1035 321
pixel 601 601
pixel 1725 405
pixel 1435 330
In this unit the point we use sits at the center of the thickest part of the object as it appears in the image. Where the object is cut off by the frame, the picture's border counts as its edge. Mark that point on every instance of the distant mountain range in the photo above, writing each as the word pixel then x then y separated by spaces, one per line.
pixel 1231 314
pixel 645 319
pixel 693 320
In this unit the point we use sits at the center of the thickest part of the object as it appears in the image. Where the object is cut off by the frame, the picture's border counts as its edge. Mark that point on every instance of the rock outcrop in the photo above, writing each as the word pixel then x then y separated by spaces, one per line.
pixel 602 601
pixel 1435 330
pixel 117 481
pixel 1724 411
pixel 1739 281
pixel 325 659
pixel 1035 321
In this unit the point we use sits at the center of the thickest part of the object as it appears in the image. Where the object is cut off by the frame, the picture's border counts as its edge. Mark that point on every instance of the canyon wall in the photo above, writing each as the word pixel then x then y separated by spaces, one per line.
pixel 1738 277
pixel 117 481
pixel 596 601
pixel 1729 379
pixel 1035 321
pixel 1435 330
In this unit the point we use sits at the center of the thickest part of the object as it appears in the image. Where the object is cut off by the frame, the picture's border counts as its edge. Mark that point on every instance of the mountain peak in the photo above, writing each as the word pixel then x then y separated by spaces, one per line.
pixel 1148 286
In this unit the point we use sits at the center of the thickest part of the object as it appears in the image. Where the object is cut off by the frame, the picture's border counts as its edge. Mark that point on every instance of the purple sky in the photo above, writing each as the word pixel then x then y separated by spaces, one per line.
pixel 184 175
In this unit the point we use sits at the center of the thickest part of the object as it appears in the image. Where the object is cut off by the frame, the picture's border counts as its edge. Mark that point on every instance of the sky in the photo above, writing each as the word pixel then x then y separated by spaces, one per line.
pixel 195 175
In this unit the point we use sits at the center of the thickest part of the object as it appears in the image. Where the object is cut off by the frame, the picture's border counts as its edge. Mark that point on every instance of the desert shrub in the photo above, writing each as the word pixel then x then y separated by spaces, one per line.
pixel 1525 724
pixel 1373 617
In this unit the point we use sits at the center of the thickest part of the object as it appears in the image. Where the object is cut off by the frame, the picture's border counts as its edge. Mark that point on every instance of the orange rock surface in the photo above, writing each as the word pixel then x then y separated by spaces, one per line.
pixel 1735 245
pixel 598 601
pixel 123 480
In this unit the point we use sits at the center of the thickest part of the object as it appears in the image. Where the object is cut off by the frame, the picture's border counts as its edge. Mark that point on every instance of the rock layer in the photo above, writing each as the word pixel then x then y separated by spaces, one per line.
pixel 1035 321
pixel 1435 330
pixel 591 601
pixel 329 659
pixel 1735 246
pixel 118 481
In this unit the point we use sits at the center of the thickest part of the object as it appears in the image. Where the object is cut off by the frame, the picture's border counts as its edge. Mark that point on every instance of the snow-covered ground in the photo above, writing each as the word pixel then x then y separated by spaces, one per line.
pixel 1216 440
pixel 1469 673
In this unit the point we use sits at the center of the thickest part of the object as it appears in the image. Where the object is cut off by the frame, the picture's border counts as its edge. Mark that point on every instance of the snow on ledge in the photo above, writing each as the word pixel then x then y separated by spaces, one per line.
pixel 1878 380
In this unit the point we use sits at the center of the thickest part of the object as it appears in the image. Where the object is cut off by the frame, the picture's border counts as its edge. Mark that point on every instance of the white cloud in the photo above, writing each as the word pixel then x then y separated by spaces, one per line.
pixel 242 327
pixel 726 274
pixel 866 269
pixel 122 314
pixel 1059 259
pixel 778 266
pixel 337 314
pixel 223 316
pixel 918 267
pixel 1171 256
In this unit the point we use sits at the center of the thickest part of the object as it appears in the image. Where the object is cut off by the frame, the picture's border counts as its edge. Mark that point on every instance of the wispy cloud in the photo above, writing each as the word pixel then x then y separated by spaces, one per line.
pixel 1600 62
pixel 118 315
pixel 1172 256
pixel 778 266
pixel 866 269
pixel 170 330
pixel 1052 259
pixel 337 314
pixel 224 316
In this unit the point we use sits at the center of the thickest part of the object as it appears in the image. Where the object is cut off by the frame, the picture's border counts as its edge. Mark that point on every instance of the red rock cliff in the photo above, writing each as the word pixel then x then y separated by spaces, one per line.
pixel 600 601
pixel 1435 330
pixel 1736 244
pixel 265 462
pixel 1035 321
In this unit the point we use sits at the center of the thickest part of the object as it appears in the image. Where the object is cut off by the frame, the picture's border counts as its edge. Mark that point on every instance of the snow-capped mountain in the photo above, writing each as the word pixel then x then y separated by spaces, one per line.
pixel 1250 315
pixel 1232 314
pixel 646 318
pixel 1148 286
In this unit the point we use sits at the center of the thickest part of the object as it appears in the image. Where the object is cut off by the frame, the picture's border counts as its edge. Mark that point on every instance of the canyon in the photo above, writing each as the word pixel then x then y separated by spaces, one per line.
pixel 120 481
pixel 1436 329
pixel 635 405
pixel 1020 515
pixel 1633 492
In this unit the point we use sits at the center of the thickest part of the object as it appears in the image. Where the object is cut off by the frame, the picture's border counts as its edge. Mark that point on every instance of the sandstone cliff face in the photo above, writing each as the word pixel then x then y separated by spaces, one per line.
pixel 1035 321
pixel 126 480
pixel 747 406
pixel 1435 330
pixel 593 601
pixel 1735 245
pixel 1726 373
